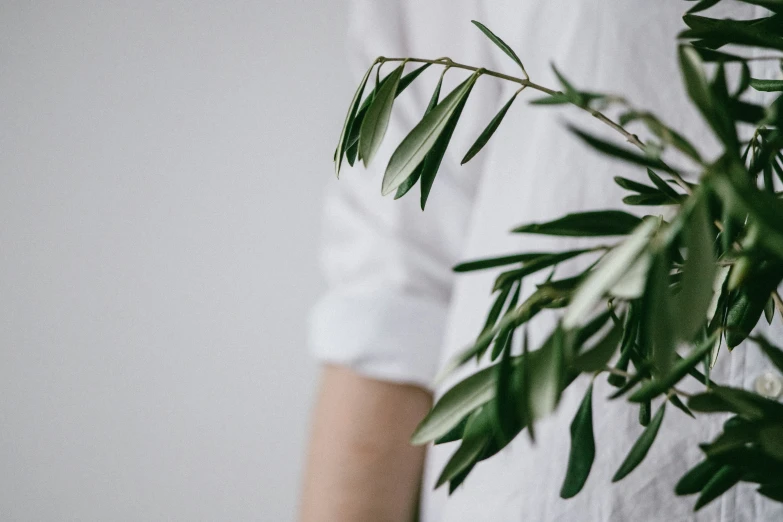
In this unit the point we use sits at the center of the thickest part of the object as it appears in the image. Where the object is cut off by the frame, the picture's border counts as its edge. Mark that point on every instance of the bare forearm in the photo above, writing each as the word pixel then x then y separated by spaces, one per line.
pixel 360 465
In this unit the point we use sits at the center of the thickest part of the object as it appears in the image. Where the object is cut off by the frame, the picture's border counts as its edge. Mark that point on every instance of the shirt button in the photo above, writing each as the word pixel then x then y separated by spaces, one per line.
pixel 769 385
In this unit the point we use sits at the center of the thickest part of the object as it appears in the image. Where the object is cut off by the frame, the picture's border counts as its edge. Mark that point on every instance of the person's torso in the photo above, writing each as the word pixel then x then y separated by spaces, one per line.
pixel 535 170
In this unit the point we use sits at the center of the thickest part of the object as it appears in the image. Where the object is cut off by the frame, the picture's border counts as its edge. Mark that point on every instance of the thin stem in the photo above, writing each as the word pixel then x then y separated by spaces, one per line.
pixel 762 58
pixel 631 138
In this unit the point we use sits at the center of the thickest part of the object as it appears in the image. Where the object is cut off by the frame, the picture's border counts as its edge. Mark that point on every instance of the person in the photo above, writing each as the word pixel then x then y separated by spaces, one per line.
pixel 395 312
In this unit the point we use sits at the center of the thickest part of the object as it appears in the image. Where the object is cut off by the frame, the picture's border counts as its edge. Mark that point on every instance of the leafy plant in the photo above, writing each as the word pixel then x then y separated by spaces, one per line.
pixel 702 278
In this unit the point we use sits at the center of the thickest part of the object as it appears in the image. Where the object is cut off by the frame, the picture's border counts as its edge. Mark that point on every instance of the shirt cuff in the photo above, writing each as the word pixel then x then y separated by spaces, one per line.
pixel 385 336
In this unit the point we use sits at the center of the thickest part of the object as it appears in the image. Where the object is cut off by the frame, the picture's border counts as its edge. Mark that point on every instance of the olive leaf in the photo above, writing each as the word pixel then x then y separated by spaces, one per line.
pixel 349 120
pixel 657 332
pixel 378 115
pixel 679 370
pixel 434 157
pixel 725 478
pixel 697 477
pixel 582 454
pixel 598 357
pixel 492 262
pixel 411 180
pixel 463 398
pixel 500 43
pixel 413 149
pixel 641 446
pixel 692 303
pixel 489 131
pixel 767 85
pixel 506 411
pixel 352 147
pixel 616 151
pixel 608 272
pixel 586 224
pixel 474 442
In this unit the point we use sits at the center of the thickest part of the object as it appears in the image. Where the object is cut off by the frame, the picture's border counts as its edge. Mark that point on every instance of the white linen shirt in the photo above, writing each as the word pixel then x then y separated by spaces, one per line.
pixel 395 310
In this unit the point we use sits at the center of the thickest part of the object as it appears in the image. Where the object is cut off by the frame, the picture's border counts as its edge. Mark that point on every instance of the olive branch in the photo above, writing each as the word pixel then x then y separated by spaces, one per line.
pixel 650 310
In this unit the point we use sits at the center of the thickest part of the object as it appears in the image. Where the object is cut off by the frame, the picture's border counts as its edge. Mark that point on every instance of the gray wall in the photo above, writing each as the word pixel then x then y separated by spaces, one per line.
pixel 161 169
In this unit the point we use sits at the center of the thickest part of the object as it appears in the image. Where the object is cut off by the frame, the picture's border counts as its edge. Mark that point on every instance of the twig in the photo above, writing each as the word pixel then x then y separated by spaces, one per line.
pixel 524 82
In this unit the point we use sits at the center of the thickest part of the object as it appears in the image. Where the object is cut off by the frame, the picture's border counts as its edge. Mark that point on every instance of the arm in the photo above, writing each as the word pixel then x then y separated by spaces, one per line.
pixel 379 327
pixel 360 465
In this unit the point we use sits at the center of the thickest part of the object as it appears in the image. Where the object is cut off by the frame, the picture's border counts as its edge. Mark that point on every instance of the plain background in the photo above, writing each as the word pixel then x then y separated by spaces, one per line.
pixel 161 171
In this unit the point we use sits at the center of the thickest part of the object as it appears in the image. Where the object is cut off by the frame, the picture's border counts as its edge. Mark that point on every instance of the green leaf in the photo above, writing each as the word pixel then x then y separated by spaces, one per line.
pixel 744 403
pixel 670 136
pixel 633 381
pixel 764 208
pixel 506 410
pixel 497 307
pixel 641 447
pixel 573 95
pixel 632 284
pixel 608 271
pixel 513 318
pixel 767 85
pixel 598 357
pixel 698 477
pixel 773 353
pixel 534 265
pixel 582 455
pixel 629 184
pixel 593 327
pixel 413 149
pixel 652 389
pixel 644 413
pixel 772 492
pixel 711 56
pixel 771 439
pixel 677 403
pixel 720 483
pixel 630 327
pixel 503 341
pixel 622 153
pixel 658 315
pixel 434 157
pixel 411 180
pixel 719 32
pixel 664 187
pixel 711 101
pixel 698 274
pixel 547 376
pixel 526 388
pixel 492 262
pixel 695 80
pixel 349 119
pixel 585 224
pixel 378 115
pixel 475 441
pixel 464 397
pixel 500 43
pixel 555 99
pixel 650 200
pixel 489 131
pixel 703 5
pixel 353 140
pixel 455 433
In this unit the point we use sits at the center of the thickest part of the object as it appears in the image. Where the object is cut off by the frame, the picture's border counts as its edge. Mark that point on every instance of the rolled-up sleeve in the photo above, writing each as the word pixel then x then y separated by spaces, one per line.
pixel 388 264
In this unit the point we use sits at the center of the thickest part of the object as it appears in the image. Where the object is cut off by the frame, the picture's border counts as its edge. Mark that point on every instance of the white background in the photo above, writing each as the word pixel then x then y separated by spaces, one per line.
pixel 161 170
